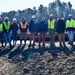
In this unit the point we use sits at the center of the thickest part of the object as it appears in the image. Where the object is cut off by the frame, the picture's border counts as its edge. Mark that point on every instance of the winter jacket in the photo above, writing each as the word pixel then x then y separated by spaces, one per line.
pixel 33 26
pixel 42 26
pixel 14 28
pixel 60 26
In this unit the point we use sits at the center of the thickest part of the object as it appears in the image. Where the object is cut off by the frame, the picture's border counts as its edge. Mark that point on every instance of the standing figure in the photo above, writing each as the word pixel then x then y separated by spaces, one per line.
pixel 7 29
pixel 14 29
pixel 1 31
pixel 33 26
pixel 70 29
pixel 51 29
pixel 42 28
pixel 60 30
pixel 23 30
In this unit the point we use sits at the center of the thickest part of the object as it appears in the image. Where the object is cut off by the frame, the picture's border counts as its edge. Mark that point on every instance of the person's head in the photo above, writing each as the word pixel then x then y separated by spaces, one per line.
pixel 43 18
pixel 69 16
pixel 33 17
pixel 23 19
pixel 59 17
pixel 14 20
pixel 51 16
pixel 0 19
pixel 6 19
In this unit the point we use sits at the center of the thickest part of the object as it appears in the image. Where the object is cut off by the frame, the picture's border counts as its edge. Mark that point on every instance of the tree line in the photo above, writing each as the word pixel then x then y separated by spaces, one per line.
pixel 57 8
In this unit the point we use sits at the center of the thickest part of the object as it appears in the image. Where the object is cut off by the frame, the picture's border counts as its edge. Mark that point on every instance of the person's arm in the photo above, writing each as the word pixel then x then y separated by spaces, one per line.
pixel 55 25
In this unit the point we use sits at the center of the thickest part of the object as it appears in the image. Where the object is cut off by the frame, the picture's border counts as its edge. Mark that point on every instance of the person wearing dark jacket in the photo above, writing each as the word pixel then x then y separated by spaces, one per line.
pixel 1 31
pixel 60 30
pixel 42 29
pixel 7 29
pixel 33 26
pixel 14 29
pixel 23 30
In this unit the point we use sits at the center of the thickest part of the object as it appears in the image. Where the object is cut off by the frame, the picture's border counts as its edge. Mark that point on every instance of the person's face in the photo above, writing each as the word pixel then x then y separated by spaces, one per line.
pixel 43 18
pixel 6 20
pixel 14 21
pixel 51 17
pixel 23 20
pixel 70 17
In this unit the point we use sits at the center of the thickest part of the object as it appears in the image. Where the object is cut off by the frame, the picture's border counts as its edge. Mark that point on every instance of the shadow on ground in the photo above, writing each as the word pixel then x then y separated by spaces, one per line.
pixel 26 52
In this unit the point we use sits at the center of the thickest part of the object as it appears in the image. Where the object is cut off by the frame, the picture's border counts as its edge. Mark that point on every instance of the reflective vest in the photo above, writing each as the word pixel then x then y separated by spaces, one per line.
pixel 1 27
pixel 74 23
pixel 51 24
pixel 23 25
pixel 70 23
pixel 7 25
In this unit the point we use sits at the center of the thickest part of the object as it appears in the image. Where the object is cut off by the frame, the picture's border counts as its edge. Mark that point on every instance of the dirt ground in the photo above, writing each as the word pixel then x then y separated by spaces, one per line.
pixel 35 60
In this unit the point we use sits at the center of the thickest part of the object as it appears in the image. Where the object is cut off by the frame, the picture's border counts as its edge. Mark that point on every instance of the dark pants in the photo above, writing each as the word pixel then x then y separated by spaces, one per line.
pixel 14 37
pixel 7 38
pixel 1 38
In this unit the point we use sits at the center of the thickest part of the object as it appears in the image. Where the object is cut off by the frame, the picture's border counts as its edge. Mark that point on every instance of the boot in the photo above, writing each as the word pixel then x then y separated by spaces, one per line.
pixel 60 44
pixel 25 42
pixel 20 42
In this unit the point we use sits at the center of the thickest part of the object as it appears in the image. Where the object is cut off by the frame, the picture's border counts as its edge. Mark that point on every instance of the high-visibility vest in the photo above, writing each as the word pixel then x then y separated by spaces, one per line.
pixel 7 25
pixel 23 25
pixel 1 27
pixel 51 24
pixel 70 23
pixel 74 23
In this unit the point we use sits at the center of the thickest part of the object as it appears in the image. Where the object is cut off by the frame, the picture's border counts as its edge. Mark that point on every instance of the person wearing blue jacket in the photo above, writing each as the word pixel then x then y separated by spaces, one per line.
pixel 33 26
pixel 42 29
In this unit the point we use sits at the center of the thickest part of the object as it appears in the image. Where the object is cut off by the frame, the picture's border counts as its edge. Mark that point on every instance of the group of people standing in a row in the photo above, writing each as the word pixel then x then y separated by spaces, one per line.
pixel 51 26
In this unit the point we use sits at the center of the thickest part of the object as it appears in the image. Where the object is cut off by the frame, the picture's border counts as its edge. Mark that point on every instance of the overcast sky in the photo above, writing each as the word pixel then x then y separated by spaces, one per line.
pixel 8 5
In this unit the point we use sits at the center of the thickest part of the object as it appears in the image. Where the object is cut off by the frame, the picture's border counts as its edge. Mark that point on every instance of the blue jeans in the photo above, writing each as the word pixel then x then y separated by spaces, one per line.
pixel 7 38
pixel 14 37
pixel 71 36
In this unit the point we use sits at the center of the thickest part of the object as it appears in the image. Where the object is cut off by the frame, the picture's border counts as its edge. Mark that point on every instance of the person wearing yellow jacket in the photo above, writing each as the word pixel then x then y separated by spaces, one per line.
pixel 70 29
pixel 51 29
pixel 1 31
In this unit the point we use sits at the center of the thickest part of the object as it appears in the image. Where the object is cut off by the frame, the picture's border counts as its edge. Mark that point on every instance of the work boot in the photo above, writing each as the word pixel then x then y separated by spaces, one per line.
pixel 69 42
pixel 64 44
pixel 25 42
pixel 20 42
pixel 43 44
pixel 60 44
